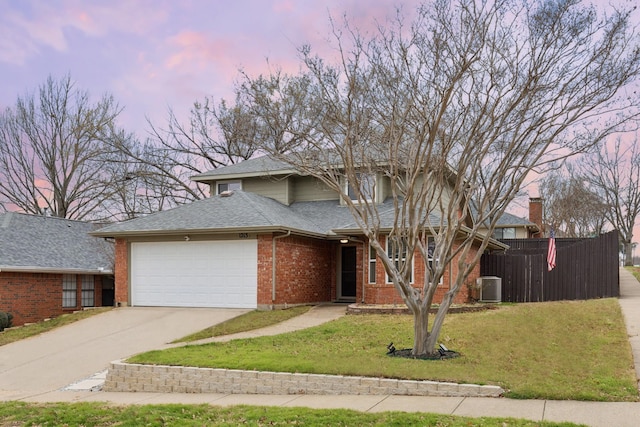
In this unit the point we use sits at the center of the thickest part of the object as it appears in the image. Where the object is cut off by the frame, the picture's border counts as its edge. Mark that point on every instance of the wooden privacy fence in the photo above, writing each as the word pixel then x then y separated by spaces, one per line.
pixel 585 269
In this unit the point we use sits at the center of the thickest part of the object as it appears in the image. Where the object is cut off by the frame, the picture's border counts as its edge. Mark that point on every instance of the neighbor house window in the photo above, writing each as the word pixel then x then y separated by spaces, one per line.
pixel 504 233
pixel 431 249
pixel 372 264
pixel 223 186
pixel 397 252
pixel 366 183
pixel 88 291
pixel 69 290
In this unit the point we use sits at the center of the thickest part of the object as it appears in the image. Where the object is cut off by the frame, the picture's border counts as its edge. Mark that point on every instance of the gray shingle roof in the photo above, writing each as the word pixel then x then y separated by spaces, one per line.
pixel 240 211
pixel 259 166
pixel 244 212
pixel 507 220
pixel 41 243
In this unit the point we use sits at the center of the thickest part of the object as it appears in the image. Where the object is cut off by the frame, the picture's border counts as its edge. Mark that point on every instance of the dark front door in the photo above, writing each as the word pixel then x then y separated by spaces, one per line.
pixel 348 274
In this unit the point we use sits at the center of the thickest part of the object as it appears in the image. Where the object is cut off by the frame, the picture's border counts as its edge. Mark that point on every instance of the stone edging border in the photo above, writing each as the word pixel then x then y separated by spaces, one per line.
pixel 127 377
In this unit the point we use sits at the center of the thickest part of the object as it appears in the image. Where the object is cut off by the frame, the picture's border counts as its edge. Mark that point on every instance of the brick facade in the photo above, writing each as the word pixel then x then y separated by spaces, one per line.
pixel 382 292
pixel 305 271
pixel 121 272
pixel 32 297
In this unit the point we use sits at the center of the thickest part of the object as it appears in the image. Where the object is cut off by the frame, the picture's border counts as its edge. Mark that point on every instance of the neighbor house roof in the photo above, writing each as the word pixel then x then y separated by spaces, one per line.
pixel 510 220
pixel 36 243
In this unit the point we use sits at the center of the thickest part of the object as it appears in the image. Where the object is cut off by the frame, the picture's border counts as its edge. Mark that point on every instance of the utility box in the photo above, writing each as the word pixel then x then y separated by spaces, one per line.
pixel 490 288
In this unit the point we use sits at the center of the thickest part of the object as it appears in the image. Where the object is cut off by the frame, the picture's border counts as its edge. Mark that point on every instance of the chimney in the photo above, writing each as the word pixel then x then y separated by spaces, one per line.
pixel 535 214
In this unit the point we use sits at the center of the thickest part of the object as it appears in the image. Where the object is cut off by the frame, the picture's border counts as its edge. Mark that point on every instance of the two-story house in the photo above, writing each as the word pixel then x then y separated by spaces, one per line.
pixel 267 237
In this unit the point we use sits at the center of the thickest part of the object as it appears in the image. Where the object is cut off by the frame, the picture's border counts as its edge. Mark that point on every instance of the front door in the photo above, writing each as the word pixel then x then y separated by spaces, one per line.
pixel 348 272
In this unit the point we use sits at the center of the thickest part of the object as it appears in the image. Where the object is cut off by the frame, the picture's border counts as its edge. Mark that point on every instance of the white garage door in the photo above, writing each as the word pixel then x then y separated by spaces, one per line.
pixel 195 273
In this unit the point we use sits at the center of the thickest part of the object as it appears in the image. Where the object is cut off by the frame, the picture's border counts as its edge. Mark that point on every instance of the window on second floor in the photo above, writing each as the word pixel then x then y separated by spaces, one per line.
pixel 366 184
pixel 223 186
pixel 504 233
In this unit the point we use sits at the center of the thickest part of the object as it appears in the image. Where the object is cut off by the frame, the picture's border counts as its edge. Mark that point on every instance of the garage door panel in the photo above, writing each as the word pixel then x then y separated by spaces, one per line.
pixel 194 274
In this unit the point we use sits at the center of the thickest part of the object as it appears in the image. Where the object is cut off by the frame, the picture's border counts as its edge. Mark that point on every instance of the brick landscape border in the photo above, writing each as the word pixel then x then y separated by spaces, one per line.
pixel 127 377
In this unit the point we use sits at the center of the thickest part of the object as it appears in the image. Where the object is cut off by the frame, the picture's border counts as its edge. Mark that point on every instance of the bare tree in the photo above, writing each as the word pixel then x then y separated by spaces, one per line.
pixel 572 209
pixel 52 151
pixel 614 172
pixel 462 103
pixel 164 163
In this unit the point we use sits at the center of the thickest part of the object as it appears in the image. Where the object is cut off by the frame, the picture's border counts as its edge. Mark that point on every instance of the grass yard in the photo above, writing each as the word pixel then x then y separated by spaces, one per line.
pixel 11 335
pixel 635 271
pixel 559 350
pixel 246 322
pixel 97 414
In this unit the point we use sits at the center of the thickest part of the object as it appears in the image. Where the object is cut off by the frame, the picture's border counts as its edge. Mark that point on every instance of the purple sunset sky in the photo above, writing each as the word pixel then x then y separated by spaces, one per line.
pixel 155 54
pixel 152 55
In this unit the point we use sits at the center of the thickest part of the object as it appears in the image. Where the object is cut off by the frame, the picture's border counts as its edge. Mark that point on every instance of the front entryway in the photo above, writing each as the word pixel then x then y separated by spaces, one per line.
pixel 348 273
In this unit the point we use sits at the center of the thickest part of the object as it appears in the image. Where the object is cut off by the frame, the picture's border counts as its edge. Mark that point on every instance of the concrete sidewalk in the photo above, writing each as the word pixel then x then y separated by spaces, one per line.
pixel 603 414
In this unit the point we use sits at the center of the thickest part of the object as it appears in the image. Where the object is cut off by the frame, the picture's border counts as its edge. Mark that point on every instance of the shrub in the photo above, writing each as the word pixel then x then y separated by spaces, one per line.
pixel 5 320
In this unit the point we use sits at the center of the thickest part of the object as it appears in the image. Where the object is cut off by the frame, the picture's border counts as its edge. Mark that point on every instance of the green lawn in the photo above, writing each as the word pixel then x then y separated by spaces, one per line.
pixel 255 319
pixel 635 271
pixel 97 414
pixel 559 350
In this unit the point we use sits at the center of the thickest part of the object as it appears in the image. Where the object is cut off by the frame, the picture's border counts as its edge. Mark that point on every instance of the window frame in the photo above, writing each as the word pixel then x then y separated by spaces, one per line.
pixel 371 181
pixel 432 241
pixel 396 260
pixel 373 257
pixel 69 287
pixel 237 183
pixel 501 230
pixel 88 291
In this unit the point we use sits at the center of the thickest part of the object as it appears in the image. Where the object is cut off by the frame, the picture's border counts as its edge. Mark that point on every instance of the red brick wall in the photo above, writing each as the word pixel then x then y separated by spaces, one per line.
pixel 32 297
pixel 386 293
pixel 121 272
pixel 536 214
pixel 305 270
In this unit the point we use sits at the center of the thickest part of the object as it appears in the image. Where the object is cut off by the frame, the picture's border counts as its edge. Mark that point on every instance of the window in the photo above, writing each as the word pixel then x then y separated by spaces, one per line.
pixel 372 264
pixel 504 233
pixel 397 252
pixel 88 291
pixel 69 290
pixel 431 249
pixel 366 184
pixel 223 186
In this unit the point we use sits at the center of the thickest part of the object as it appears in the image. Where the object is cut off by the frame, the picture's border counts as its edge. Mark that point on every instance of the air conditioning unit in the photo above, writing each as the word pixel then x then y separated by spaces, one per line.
pixel 490 288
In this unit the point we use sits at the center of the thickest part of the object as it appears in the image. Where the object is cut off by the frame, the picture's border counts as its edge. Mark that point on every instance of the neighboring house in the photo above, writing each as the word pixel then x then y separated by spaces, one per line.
pixel 268 237
pixel 50 266
pixel 510 226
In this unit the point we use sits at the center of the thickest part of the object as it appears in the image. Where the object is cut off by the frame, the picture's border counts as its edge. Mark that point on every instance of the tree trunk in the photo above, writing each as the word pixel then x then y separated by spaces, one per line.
pixel 628 253
pixel 421 332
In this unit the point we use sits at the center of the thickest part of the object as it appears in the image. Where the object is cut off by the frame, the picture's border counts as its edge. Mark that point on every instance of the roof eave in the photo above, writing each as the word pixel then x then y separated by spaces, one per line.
pixel 210 231
pixel 54 270
pixel 239 175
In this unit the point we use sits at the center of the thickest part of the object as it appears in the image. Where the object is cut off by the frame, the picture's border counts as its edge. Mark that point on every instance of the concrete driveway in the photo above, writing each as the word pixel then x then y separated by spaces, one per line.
pixel 54 360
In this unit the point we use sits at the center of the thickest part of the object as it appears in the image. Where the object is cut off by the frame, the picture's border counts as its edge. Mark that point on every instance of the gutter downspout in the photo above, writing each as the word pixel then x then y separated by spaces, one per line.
pixel 273 266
